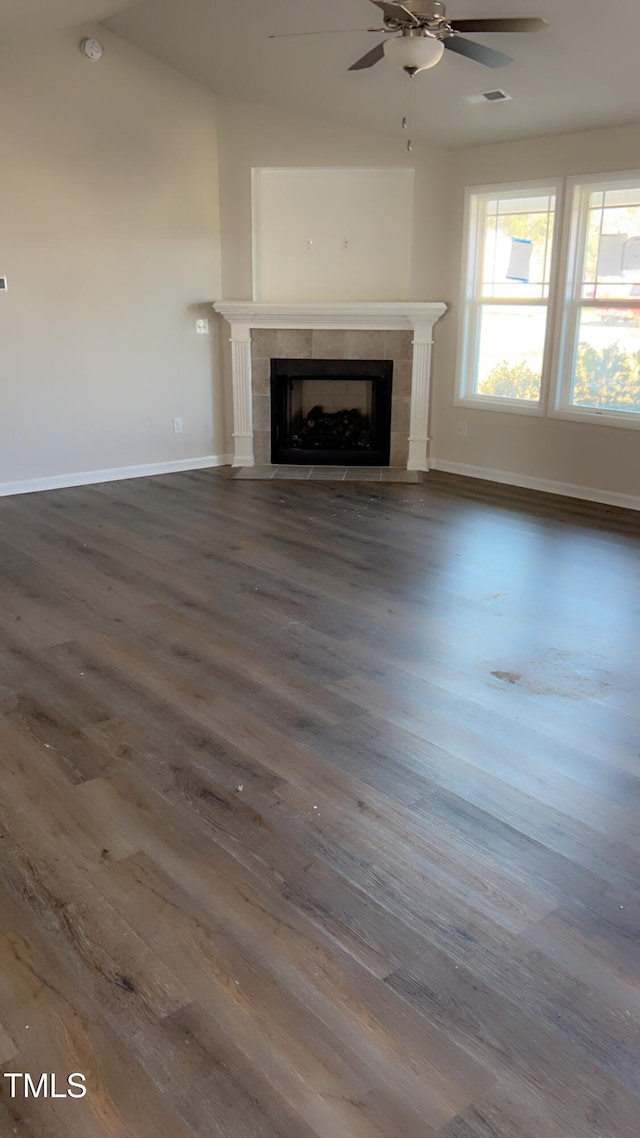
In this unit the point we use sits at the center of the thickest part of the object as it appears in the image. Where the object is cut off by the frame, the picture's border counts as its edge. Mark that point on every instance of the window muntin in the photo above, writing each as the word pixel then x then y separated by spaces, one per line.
pixel 611 260
pixel 507 297
pixel 508 220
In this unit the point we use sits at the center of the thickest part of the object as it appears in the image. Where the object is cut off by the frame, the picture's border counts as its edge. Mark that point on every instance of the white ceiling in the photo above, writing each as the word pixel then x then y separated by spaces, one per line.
pixel 582 72
pixel 22 17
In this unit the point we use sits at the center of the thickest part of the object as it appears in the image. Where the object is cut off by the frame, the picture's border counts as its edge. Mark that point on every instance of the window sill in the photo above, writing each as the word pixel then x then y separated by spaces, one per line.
pixel 630 421
pixel 511 406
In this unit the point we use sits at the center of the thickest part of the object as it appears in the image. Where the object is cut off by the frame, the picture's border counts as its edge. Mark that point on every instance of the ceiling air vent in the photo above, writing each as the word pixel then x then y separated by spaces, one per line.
pixel 487 97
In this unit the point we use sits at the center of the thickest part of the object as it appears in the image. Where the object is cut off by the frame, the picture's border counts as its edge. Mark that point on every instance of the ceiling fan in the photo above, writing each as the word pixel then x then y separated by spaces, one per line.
pixel 425 33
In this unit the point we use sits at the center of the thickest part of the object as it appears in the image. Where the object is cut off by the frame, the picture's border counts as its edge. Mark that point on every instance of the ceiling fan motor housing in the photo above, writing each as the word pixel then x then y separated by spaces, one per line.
pixel 427 14
pixel 427 9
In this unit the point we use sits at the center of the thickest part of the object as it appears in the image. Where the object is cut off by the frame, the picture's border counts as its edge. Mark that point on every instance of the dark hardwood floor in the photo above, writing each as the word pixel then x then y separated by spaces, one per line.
pixel 319 811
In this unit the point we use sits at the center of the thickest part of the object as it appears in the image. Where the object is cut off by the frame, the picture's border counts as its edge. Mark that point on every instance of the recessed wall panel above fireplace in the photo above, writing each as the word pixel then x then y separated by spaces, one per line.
pixel 332 234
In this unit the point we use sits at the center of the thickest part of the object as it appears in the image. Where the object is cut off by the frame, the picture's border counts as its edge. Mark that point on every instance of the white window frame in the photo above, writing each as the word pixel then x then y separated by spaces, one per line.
pixel 570 302
pixel 471 300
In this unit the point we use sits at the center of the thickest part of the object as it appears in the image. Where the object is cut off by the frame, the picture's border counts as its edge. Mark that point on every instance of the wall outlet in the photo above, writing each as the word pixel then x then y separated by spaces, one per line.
pixel 177 426
pixel 202 326
pixel 463 429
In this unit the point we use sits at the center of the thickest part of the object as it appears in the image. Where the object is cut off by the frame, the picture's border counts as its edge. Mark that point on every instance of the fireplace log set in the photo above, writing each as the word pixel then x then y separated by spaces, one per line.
pixel 336 430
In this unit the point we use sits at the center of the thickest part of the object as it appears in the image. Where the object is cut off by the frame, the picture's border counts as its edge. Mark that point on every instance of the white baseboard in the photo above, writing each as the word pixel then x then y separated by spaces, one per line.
pixel 117 474
pixel 92 477
pixel 566 489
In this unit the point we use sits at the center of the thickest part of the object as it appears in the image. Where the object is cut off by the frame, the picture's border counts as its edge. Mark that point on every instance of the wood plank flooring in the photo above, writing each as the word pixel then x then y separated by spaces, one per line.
pixel 319 811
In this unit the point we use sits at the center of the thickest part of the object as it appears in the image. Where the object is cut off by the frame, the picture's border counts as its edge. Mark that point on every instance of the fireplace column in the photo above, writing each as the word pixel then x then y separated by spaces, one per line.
pixel 420 384
pixel 240 340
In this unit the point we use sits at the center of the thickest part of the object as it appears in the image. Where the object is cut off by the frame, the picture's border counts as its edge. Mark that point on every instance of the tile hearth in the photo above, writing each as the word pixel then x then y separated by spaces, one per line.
pixel 327 473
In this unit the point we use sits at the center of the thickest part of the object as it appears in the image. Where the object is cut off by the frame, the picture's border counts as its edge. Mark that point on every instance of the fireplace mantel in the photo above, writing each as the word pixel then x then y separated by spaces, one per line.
pixel 418 317
pixel 388 316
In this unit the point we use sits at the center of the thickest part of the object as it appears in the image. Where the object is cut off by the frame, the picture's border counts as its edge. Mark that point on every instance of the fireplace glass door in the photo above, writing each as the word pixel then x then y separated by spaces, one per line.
pixel 331 412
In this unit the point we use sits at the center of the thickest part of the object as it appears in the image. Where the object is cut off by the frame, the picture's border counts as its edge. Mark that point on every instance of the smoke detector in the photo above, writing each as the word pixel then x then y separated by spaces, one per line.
pixel 92 50
pixel 498 96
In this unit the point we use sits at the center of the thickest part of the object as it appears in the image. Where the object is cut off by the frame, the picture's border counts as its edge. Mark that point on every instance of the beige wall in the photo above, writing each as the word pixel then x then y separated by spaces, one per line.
pixel 254 135
pixel 582 454
pixel 109 237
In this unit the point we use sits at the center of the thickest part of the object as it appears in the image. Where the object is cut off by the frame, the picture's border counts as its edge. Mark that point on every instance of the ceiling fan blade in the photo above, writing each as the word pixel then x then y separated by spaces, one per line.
pixel 321 32
pixel 368 60
pixel 524 24
pixel 477 51
pixel 395 11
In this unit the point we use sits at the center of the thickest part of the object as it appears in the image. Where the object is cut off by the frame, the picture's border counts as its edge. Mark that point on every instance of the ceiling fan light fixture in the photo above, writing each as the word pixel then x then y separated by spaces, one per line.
pixel 414 51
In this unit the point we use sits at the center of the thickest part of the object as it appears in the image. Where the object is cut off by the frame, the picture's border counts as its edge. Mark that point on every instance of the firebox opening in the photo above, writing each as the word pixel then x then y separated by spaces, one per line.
pixel 331 412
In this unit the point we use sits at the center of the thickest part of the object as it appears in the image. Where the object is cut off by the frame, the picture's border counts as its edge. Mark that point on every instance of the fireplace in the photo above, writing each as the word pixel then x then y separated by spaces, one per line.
pixel 395 332
pixel 331 412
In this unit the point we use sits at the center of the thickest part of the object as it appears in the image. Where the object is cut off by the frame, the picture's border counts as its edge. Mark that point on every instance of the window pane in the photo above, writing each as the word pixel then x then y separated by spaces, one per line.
pixel 623 196
pixel 612 257
pixel 510 350
pixel 606 373
pixel 516 243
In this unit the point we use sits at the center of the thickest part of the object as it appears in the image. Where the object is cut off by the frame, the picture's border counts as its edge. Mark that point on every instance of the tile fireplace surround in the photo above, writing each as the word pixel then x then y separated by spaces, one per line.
pixel 398 330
